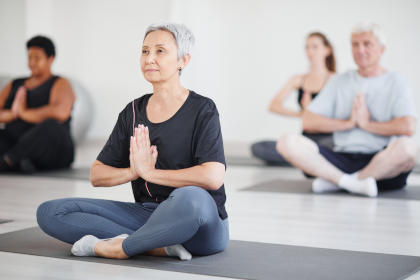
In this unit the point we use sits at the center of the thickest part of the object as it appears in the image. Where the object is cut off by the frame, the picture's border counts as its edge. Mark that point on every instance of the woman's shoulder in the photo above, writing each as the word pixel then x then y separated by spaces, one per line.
pixel 19 81
pixel 61 82
pixel 140 99
pixel 202 102
pixel 135 104
pixel 125 115
pixel 137 101
pixel 60 79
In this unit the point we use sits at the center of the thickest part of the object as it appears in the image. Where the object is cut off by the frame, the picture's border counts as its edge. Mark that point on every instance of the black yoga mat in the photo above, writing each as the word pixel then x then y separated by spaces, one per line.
pixel 247 260
pixel 303 186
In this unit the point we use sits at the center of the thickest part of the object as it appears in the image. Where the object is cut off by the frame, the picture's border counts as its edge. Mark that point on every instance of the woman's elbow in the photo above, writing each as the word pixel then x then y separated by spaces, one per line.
pixel 275 108
pixel 94 181
pixel 216 178
pixel 92 177
pixel 215 184
pixel 62 116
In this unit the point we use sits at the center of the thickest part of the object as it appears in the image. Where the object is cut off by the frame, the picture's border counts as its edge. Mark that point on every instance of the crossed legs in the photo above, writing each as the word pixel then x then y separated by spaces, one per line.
pixel 188 217
pixel 398 157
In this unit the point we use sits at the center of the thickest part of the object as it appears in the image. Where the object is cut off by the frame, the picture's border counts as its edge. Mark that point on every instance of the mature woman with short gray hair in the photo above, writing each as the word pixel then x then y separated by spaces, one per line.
pixel 168 144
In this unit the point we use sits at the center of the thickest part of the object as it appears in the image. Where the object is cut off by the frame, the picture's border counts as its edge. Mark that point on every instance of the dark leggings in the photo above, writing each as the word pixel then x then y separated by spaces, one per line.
pixel 47 145
pixel 353 162
pixel 188 216
pixel 266 150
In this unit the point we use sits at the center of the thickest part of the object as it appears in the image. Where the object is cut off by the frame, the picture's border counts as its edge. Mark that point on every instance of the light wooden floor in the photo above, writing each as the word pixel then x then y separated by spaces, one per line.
pixel 349 223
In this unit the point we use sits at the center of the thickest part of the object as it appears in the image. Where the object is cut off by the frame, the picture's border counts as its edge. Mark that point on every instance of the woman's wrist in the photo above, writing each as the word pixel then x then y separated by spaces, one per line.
pixel 7 116
pixel 150 175
pixel 22 113
pixel 131 175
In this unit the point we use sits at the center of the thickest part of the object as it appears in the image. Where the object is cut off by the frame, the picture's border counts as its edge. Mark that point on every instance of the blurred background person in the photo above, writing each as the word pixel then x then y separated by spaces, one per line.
pixel 320 54
pixel 36 113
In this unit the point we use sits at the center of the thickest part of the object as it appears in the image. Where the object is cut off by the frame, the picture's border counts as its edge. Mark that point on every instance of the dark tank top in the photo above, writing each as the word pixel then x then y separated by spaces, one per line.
pixel 301 91
pixel 35 98
pixel 313 96
pixel 300 96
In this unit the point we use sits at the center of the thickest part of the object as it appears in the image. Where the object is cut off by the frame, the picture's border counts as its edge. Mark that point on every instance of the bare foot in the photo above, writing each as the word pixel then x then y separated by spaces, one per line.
pixel 111 249
pixel 159 252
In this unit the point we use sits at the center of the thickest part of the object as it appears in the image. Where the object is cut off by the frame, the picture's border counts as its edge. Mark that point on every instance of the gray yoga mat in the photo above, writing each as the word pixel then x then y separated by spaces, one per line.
pixel 303 186
pixel 253 161
pixel 72 173
pixel 248 260
pixel 84 172
pixel 3 221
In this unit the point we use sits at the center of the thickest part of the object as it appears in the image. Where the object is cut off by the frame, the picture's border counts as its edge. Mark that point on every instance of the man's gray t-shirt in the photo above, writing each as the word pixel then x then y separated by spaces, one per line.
pixel 388 96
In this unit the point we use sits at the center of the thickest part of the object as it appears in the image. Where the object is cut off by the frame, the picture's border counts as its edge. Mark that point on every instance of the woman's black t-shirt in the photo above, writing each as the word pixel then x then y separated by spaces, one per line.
pixel 190 137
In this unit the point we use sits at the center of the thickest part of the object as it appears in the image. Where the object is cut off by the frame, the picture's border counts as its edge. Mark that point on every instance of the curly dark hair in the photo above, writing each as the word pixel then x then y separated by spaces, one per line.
pixel 42 42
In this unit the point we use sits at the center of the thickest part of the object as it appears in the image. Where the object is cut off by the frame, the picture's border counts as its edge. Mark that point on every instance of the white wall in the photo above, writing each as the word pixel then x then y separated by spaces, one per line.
pixel 12 37
pixel 248 49
pixel 245 50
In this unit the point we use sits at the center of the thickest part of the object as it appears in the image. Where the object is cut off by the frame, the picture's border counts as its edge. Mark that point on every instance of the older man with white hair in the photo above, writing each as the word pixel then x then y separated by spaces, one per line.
pixel 372 116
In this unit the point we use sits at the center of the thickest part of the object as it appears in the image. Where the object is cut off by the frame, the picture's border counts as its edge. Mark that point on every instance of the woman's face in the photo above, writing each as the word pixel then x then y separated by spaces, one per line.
pixel 38 62
pixel 159 58
pixel 316 50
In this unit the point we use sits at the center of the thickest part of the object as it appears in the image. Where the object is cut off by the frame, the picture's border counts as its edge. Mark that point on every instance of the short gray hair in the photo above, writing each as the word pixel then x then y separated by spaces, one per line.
pixel 183 36
pixel 375 28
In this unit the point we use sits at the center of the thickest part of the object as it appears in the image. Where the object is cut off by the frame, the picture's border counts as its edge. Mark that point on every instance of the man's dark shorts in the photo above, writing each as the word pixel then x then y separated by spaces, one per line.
pixel 352 162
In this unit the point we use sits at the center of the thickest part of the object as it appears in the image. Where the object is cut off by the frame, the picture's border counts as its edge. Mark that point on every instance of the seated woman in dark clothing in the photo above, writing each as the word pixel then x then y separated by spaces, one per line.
pixel 322 66
pixel 36 113
pixel 169 145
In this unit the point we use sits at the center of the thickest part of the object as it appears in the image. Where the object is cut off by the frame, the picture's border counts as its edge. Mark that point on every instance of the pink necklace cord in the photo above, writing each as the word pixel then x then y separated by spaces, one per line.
pixel 134 120
pixel 134 115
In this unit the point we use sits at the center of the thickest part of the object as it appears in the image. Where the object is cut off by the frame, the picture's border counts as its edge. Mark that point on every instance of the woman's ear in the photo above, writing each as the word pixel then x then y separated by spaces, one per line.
pixel 329 51
pixel 183 62
pixel 51 60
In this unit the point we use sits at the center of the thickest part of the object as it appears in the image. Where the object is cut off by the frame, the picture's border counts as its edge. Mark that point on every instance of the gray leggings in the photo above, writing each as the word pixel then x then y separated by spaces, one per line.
pixel 189 217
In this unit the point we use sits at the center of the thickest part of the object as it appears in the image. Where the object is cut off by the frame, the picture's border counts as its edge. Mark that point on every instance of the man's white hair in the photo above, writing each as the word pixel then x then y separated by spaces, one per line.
pixel 375 28
pixel 183 36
